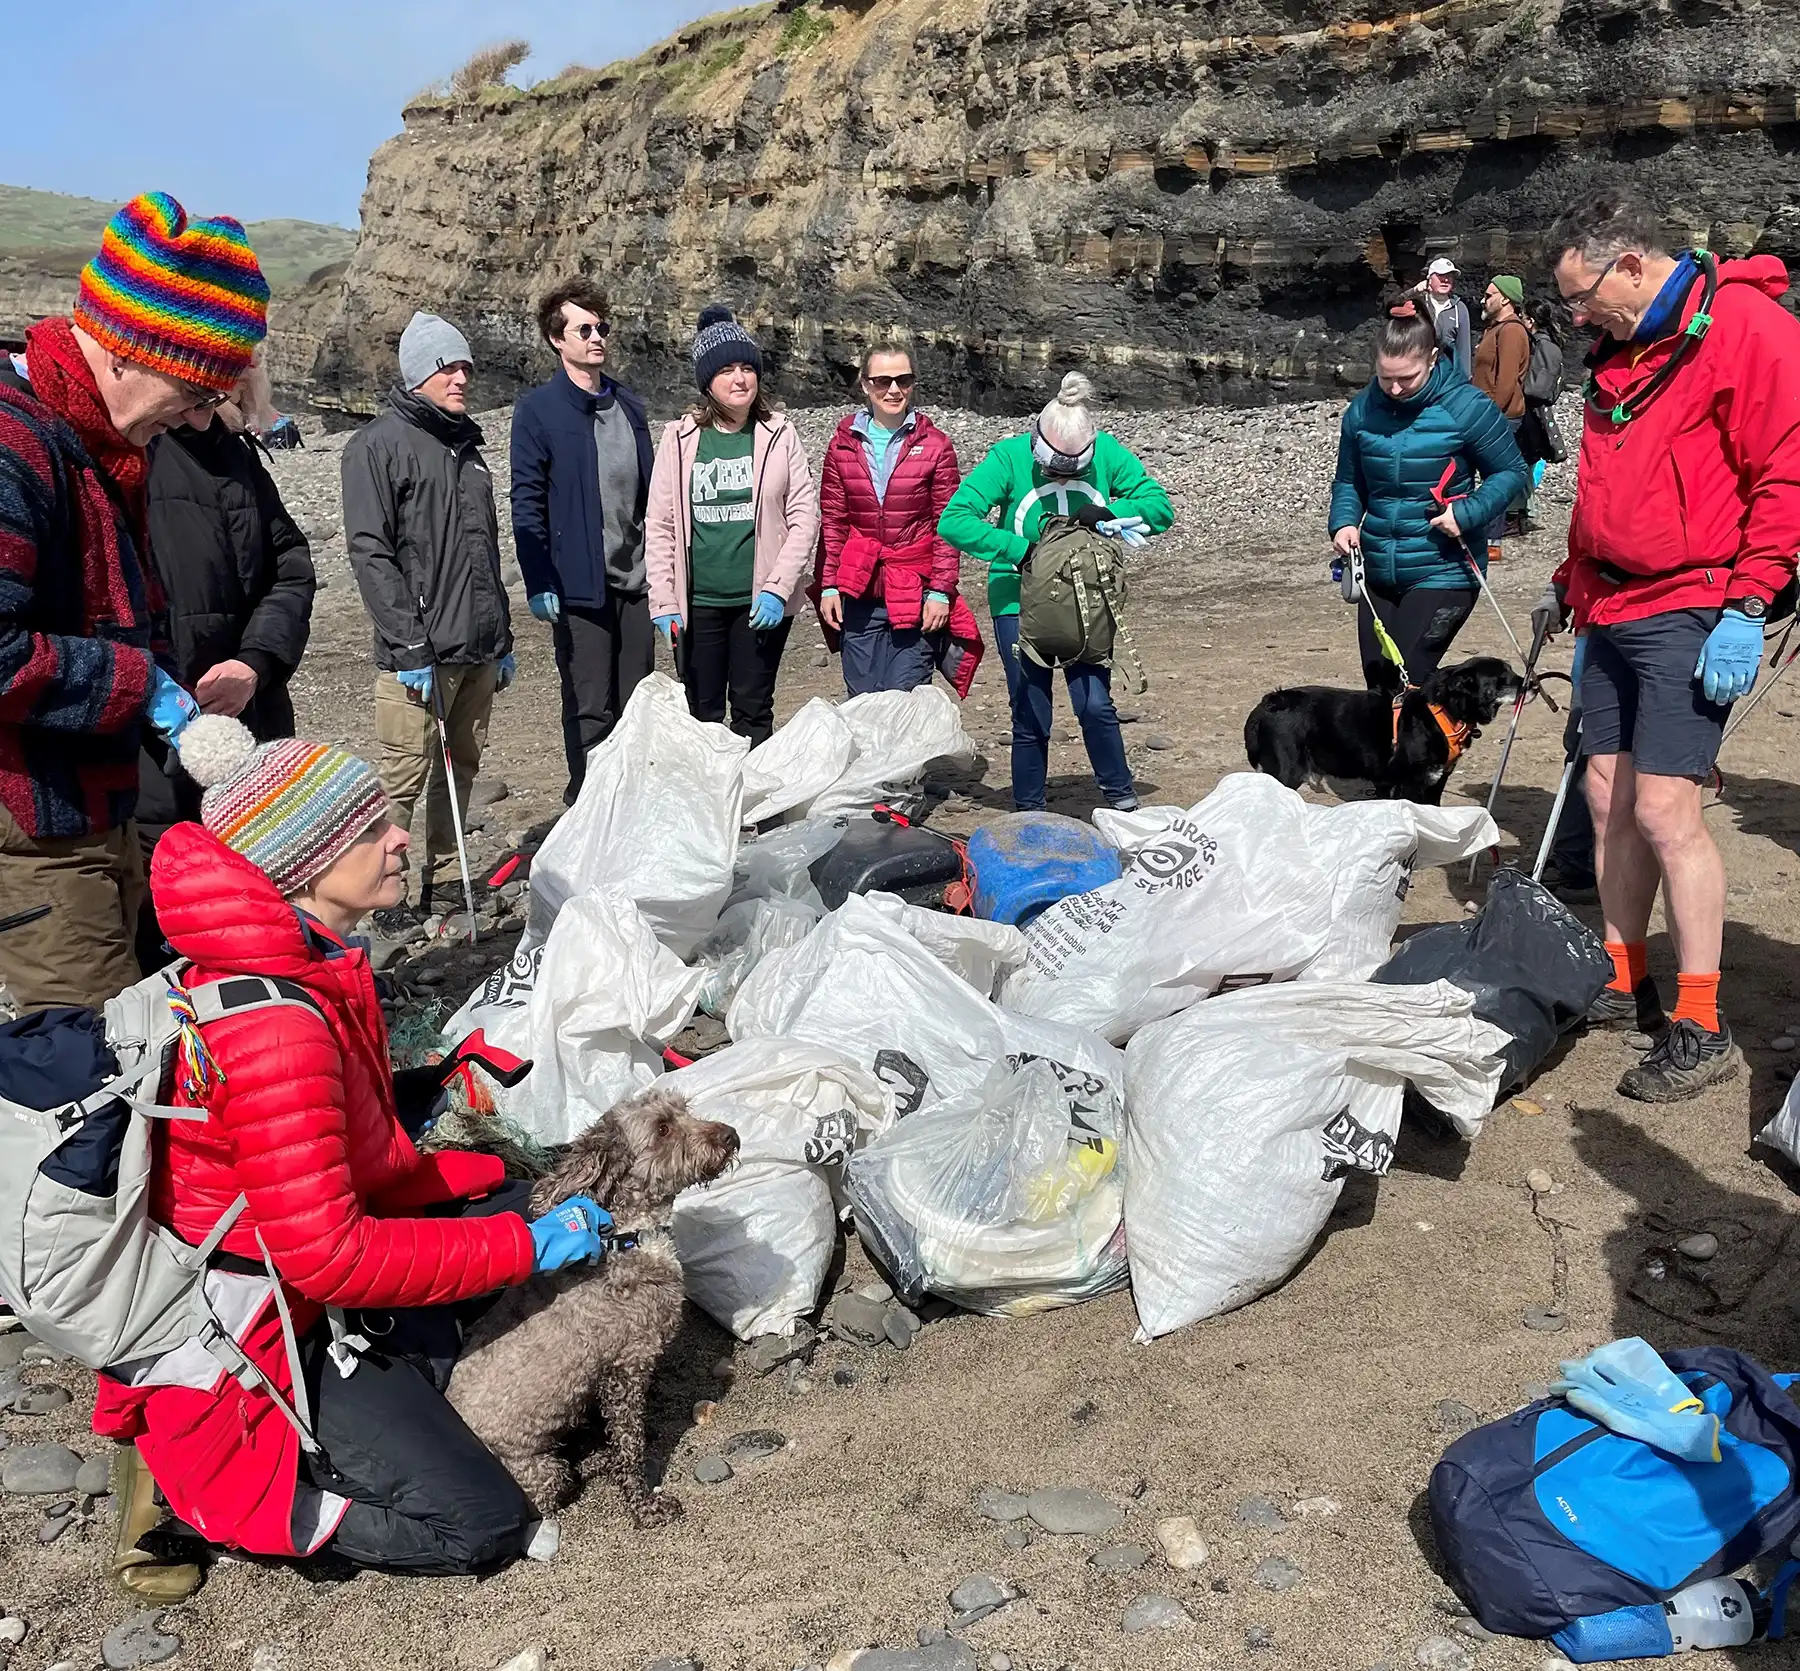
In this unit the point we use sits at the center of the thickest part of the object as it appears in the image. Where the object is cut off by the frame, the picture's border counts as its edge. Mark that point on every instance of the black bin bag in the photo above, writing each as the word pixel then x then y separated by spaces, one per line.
pixel 1533 968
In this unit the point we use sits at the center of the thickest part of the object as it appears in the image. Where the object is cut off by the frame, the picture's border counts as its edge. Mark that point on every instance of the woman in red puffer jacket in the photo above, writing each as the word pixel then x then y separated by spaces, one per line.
pixel 886 582
pixel 347 1232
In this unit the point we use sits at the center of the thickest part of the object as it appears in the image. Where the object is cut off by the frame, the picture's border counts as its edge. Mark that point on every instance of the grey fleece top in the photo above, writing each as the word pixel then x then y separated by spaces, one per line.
pixel 616 447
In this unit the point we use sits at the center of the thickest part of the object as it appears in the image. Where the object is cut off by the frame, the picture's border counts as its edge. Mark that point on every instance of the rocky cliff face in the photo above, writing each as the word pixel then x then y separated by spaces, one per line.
pixel 1190 198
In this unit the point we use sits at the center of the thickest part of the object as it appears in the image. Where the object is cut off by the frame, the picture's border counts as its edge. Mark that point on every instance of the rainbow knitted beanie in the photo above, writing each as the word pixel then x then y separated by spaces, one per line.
pixel 182 297
pixel 292 808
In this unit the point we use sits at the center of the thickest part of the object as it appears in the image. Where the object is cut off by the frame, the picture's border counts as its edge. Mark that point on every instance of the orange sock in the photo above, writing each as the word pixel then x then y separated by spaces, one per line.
pixel 1630 963
pixel 1698 1000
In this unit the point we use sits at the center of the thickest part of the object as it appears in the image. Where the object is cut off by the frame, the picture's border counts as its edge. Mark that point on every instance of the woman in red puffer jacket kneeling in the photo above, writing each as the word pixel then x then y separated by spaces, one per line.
pixel 369 1250
pixel 886 582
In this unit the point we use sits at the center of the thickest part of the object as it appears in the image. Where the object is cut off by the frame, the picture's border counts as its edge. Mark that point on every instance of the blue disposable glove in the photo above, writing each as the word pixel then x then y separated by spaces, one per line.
pixel 1730 657
pixel 569 1233
pixel 1625 1385
pixel 417 680
pixel 1133 530
pixel 505 671
pixel 768 611
pixel 670 626
pixel 546 606
pixel 172 710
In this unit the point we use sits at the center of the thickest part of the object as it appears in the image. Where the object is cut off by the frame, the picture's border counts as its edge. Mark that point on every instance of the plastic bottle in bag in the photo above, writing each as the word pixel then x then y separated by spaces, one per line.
pixel 1715 1613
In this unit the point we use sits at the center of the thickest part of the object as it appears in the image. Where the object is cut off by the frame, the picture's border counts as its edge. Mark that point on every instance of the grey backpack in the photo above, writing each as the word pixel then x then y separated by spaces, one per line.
pixel 1072 602
pixel 82 1264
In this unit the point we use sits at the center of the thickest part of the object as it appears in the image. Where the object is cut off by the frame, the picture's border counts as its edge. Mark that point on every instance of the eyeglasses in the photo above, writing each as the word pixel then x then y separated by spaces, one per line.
pixel 903 383
pixel 591 329
pixel 1581 298
pixel 201 400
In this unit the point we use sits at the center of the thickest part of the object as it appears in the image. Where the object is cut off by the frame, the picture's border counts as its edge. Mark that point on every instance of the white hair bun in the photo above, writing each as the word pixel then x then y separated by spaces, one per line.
pixel 215 747
pixel 1076 390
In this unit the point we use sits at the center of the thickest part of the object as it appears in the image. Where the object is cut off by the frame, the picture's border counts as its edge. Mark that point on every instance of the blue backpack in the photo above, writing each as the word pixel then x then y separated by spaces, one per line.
pixel 1545 1517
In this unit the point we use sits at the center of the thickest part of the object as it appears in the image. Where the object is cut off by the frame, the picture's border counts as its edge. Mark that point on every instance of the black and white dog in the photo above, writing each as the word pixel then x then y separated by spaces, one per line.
pixel 1404 742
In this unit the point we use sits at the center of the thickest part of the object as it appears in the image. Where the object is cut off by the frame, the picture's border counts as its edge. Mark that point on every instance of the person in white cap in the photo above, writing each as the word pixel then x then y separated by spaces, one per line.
pixel 424 544
pixel 1448 312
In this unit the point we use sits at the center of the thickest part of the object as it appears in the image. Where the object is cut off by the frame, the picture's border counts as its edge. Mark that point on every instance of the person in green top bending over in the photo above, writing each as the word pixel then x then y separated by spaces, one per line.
pixel 1066 466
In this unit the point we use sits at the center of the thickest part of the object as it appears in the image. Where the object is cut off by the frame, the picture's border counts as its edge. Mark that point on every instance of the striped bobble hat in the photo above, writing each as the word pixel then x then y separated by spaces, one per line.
pixel 182 297
pixel 292 808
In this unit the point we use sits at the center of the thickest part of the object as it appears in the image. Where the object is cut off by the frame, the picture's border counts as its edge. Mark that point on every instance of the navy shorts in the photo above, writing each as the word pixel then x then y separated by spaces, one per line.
pixel 1639 695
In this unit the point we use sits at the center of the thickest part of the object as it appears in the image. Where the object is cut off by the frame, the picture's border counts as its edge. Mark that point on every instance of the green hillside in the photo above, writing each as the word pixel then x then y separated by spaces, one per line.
pixel 290 251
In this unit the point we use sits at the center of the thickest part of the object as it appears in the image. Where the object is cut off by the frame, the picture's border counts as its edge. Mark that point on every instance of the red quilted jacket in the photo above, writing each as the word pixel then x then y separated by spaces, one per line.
pixel 923 478
pixel 1695 502
pixel 304 1124
pixel 304 1127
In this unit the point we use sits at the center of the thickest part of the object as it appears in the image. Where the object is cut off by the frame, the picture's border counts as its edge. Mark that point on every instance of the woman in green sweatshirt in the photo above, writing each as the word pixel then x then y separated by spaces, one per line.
pixel 1065 466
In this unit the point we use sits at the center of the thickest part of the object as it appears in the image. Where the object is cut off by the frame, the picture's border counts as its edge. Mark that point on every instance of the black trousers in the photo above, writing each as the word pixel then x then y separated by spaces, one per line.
pixel 1422 621
pixel 426 1496
pixel 726 657
pixel 603 655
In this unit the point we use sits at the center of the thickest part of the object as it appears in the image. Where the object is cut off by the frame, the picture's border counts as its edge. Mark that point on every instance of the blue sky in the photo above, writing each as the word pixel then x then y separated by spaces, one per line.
pixel 260 108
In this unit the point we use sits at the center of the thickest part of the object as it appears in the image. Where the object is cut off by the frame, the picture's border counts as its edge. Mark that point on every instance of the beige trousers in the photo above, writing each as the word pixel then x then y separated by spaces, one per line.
pixel 84 950
pixel 412 758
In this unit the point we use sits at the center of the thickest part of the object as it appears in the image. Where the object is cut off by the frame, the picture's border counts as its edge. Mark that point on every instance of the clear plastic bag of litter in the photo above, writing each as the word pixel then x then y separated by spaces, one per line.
pixel 747 933
pixel 1007 1199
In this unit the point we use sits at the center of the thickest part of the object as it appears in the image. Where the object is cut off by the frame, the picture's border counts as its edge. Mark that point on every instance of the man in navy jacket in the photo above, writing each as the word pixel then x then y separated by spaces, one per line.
pixel 581 458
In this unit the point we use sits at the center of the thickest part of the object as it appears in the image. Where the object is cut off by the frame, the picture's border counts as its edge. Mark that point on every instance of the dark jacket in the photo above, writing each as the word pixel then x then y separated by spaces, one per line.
pixel 559 524
pixel 75 628
pixel 238 578
pixel 423 537
pixel 1393 453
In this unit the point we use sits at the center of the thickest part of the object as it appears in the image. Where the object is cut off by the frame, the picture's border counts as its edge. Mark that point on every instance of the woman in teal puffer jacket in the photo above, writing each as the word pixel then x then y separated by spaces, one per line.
pixel 1418 419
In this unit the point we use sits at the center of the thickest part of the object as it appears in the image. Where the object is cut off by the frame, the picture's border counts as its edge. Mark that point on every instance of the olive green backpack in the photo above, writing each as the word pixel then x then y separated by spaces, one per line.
pixel 1072 602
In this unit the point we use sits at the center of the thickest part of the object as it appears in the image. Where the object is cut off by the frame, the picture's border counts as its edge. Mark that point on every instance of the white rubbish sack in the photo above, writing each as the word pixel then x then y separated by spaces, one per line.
pixel 606 998
pixel 1005 1199
pixel 756 1243
pixel 1370 849
pixel 1783 1132
pixel 1244 1114
pixel 862 985
pixel 980 951
pixel 869 751
pixel 1231 892
pixel 747 932
pixel 802 760
pixel 657 819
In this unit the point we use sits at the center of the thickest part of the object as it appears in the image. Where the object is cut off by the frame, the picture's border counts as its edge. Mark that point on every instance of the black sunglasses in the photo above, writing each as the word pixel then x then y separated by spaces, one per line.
pixel 591 329
pixel 904 382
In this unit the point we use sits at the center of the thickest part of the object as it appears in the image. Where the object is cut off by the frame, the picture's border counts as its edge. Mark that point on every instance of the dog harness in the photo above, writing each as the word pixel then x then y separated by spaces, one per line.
pixel 1457 734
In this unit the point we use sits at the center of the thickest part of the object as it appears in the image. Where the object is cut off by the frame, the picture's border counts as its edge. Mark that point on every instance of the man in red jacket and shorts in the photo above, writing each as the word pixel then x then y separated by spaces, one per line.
pixel 1686 525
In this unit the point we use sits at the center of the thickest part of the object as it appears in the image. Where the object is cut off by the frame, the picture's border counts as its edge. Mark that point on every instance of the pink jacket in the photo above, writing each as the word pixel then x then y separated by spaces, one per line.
pixel 787 516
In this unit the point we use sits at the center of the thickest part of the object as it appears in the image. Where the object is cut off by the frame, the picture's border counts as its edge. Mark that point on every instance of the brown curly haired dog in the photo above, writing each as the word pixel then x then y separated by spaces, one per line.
pixel 570 1343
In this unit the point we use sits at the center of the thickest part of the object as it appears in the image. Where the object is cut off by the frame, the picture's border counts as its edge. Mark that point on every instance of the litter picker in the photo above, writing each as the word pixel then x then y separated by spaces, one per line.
pixel 462 844
pixel 1526 687
pixel 1445 502
pixel 1556 806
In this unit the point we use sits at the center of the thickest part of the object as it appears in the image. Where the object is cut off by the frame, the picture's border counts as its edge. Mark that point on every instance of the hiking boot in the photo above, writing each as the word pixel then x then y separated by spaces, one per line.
pixel 138 1512
pixel 1639 1011
pixel 1686 1061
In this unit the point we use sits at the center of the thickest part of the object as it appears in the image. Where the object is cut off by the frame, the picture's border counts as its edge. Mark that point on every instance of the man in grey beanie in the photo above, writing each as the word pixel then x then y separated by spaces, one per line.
pixel 424 542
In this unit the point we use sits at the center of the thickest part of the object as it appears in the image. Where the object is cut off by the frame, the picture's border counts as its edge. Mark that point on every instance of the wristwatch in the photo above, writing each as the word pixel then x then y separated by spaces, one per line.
pixel 1753 609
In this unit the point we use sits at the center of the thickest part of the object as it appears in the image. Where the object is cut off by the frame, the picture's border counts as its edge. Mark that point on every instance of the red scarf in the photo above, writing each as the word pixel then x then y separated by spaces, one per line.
pixel 60 378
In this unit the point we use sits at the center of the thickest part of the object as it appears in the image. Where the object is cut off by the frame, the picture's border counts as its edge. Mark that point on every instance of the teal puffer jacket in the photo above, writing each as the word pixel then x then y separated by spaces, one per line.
pixel 1392 453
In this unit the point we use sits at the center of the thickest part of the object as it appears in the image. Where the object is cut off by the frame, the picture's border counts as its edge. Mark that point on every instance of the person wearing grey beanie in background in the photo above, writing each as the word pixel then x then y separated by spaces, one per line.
pixel 729 530
pixel 424 542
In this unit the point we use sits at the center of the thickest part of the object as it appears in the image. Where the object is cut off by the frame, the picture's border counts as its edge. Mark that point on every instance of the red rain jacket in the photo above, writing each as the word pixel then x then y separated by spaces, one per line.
pixel 1696 501
pixel 304 1127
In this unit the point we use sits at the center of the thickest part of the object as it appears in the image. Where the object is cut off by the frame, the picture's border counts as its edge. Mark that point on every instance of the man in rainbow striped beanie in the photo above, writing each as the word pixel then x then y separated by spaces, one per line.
pixel 166 318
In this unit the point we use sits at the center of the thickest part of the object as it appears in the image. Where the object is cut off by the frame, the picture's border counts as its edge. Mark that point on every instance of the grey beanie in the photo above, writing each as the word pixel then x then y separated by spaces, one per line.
pixel 720 342
pixel 427 345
